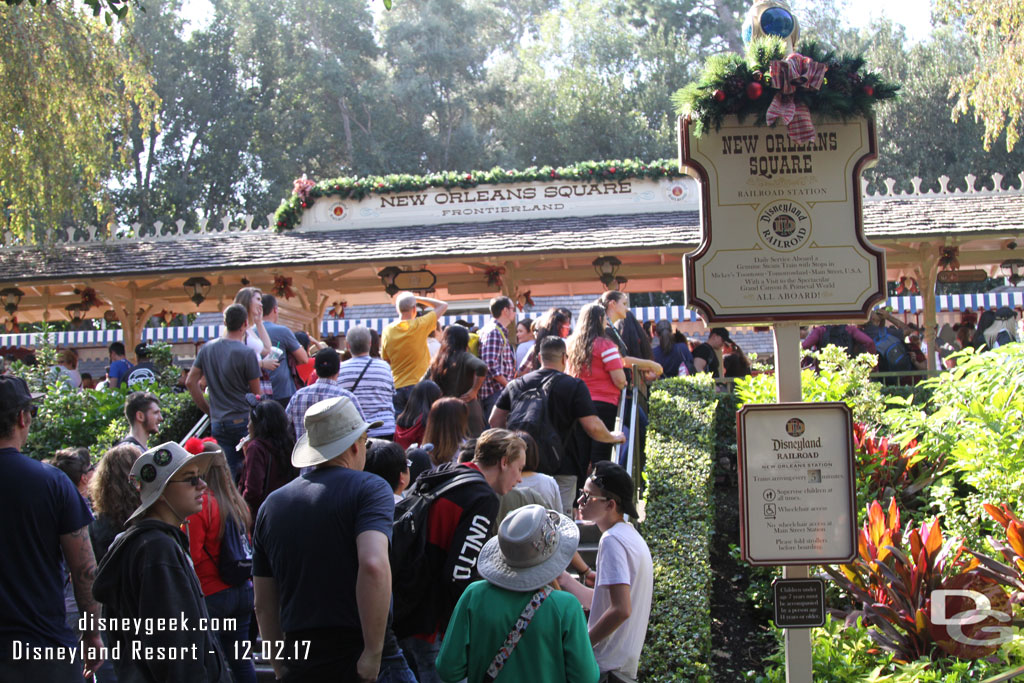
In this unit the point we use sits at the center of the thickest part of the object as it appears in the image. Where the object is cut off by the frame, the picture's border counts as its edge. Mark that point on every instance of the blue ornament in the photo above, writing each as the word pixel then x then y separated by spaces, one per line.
pixel 777 21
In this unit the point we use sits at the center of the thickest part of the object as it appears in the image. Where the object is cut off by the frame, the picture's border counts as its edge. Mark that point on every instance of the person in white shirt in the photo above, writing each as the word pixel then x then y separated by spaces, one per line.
pixel 620 602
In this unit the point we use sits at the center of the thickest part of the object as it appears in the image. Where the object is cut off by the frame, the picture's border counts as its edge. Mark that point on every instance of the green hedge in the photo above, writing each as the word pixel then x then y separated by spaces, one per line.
pixel 95 419
pixel 679 520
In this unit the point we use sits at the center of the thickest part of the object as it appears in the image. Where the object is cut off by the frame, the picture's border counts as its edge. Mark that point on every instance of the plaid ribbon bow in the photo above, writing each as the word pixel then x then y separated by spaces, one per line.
pixel 795 71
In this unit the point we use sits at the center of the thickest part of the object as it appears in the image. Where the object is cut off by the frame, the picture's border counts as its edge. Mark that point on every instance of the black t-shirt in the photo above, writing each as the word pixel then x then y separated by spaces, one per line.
pixel 143 373
pixel 459 379
pixel 568 401
pixel 708 355
pixel 319 514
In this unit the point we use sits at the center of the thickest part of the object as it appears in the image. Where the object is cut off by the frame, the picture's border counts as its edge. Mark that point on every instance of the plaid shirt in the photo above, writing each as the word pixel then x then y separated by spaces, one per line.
pixel 496 351
pixel 314 393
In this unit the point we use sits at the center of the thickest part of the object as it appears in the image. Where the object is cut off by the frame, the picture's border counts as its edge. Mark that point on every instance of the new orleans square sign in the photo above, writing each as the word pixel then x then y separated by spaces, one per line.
pixel 782 236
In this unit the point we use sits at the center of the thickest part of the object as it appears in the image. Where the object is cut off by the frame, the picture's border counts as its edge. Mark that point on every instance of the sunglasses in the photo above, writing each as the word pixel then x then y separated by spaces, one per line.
pixel 585 497
pixel 32 409
pixel 194 481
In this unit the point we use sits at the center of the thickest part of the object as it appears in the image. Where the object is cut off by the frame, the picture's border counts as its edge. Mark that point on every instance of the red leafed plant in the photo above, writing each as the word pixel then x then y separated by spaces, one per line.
pixel 885 469
pixel 1012 551
pixel 894 576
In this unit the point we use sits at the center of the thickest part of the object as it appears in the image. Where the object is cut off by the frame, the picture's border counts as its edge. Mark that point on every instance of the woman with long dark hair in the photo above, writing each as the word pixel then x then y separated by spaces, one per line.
pixel 556 321
pixel 673 355
pixel 595 359
pixel 268 454
pixel 460 374
pixel 412 421
pixel 447 428
pixel 207 531
pixel 627 333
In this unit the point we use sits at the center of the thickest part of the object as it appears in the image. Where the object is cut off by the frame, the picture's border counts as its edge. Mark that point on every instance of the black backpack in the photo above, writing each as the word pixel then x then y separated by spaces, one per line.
pixel 530 414
pixel 235 564
pixel 413 579
pixel 838 335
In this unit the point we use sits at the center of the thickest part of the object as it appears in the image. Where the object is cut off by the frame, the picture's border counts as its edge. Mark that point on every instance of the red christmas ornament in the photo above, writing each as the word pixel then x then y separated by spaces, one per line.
pixel 611 170
pixel 719 95
pixel 754 90
pixel 869 91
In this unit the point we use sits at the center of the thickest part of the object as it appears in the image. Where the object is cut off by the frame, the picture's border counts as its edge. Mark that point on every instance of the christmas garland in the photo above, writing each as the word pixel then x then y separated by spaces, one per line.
pixel 731 84
pixel 305 192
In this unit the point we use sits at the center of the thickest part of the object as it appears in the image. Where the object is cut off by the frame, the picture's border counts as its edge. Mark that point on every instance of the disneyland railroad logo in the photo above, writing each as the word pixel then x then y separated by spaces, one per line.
pixel 783 225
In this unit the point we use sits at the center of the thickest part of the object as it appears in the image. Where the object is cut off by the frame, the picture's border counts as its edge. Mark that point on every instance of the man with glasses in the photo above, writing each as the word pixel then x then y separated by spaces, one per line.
pixel 44 516
pixel 565 450
pixel 620 602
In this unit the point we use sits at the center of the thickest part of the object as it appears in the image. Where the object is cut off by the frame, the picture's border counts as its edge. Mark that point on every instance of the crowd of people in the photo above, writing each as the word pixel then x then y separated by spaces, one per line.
pixel 279 535
pixel 394 507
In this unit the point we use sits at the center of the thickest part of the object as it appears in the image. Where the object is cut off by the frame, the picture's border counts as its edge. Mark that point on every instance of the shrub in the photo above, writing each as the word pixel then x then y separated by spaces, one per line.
pixel 975 422
pixel 92 419
pixel 839 378
pixel 845 654
pixel 894 576
pixel 677 527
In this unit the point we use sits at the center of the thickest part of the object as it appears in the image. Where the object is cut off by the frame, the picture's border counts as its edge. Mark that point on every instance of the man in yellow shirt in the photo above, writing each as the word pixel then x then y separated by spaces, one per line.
pixel 404 343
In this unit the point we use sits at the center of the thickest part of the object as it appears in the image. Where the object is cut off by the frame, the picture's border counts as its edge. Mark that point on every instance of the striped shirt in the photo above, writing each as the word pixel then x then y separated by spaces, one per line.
pixel 496 351
pixel 604 360
pixel 375 391
pixel 320 390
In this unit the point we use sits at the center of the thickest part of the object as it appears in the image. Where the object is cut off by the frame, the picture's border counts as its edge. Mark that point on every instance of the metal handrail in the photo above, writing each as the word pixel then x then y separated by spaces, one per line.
pixel 198 428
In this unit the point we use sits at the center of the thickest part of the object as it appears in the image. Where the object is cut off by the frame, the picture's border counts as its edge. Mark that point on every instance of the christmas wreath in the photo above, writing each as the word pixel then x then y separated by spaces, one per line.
pixel 305 192
pixel 768 84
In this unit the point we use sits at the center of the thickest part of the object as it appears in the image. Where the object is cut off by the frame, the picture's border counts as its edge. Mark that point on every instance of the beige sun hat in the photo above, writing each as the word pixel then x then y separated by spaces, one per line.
pixel 151 472
pixel 332 426
pixel 532 548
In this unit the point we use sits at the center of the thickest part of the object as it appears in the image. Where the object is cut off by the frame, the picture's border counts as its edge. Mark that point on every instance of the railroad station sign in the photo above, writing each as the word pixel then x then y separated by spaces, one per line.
pixel 783 236
pixel 796 484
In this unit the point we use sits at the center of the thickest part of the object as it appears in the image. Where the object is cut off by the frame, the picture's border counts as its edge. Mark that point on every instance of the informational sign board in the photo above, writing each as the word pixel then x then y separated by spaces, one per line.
pixel 783 234
pixel 502 202
pixel 796 483
pixel 799 603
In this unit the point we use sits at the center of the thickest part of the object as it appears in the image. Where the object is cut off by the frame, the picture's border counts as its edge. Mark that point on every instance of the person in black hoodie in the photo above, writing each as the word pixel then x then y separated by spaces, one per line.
pixel 147 574
pixel 460 521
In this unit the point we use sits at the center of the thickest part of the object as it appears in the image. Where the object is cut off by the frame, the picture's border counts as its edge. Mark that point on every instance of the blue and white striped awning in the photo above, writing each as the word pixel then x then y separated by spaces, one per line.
pixel 959 302
pixel 202 333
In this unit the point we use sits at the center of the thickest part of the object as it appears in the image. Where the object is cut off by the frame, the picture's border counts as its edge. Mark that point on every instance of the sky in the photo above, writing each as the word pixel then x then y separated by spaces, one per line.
pixel 915 15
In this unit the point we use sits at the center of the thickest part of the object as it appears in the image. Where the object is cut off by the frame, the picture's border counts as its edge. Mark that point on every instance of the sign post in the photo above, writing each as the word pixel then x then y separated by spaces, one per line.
pixel 783 242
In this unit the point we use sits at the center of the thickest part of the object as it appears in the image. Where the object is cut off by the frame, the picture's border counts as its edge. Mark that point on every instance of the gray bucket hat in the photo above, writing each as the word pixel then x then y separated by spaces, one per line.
pixel 155 467
pixel 332 426
pixel 532 548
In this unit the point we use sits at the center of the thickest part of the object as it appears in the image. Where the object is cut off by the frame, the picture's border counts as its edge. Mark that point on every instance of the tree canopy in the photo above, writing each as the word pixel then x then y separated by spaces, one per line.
pixel 992 87
pixel 167 121
pixel 73 93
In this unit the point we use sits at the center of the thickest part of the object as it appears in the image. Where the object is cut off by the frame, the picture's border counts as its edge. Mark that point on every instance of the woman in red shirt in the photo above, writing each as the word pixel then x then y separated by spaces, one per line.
pixel 595 359
pixel 205 534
